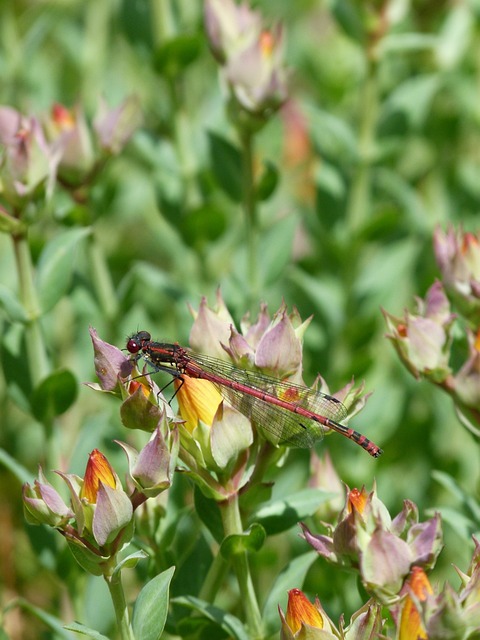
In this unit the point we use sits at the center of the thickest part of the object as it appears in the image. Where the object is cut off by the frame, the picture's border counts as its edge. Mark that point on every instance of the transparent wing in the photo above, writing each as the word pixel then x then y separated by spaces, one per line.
pixel 282 423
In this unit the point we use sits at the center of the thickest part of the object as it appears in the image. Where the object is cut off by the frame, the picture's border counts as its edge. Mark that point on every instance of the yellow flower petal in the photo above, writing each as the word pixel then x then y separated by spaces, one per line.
pixel 411 627
pixel 197 400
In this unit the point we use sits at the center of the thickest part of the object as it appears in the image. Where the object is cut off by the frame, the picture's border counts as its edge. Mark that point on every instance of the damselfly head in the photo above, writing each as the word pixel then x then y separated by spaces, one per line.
pixel 136 342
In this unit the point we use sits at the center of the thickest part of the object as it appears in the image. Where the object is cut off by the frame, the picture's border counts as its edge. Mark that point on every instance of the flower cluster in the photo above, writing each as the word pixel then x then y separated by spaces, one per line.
pixel 425 613
pixel 34 154
pixel 98 520
pixel 420 612
pixel 250 55
pixel 84 148
pixel 216 437
pixel 382 549
pixel 424 340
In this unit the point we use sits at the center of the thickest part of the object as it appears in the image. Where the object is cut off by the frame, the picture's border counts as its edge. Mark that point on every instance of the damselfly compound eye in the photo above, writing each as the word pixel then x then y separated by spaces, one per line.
pixel 137 341
pixel 133 346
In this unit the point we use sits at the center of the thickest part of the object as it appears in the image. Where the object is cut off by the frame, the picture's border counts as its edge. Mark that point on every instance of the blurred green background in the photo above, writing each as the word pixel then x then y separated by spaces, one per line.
pixel 372 151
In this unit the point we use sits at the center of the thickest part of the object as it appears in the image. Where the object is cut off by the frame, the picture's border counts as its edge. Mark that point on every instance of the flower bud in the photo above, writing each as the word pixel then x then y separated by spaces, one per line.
pixel 381 549
pixel 423 340
pixel 230 27
pixel 304 619
pixel 151 470
pixel 28 162
pixel 458 256
pixel 44 505
pixel 98 471
pixel 410 623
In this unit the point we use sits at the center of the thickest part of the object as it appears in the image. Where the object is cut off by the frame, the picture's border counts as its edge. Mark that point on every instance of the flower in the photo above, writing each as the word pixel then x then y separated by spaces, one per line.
pixel 99 520
pixel 43 504
pixel 304 618
pixel 151 469
pixel 103 505
pixel 98 471
pixel 417 586
pixel 198 400
pixel 382 549
pixel 423 340
pixel 68 127
pixel 83 147
pixel 424 613
pixel 307 620
pixel 230 27
pixel 256 75
pixel 252 60
pixel 458 257
pixel 114 127
pixel 466 382
pixel 272 346
pixel 28 162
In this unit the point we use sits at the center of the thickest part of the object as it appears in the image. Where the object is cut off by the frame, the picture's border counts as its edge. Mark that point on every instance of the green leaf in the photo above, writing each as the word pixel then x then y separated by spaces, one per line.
pixel 413 98
pixel 203 224
pixel 151 607
pixel 279 515
pixel 19 471
pixel 226 165
pixel 250 540
pixel 209 513
pixel 333 138
pixel 130 561
pixel 85 631
pixel 172 57
pixel 12 305
pixel 291 577
pixel 55 267
pixel 349 18
pixel 90 562
pixel 268 182
pixel 54 395
pixel 230 624
pixel 276 248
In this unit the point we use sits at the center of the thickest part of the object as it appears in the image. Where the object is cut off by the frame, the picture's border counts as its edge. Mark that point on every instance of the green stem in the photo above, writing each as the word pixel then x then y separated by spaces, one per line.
pixel 36 350
pixel 251 215
pixel 163 24
pixel 101 279
pixel 359 204
pixel 117 594
pixel 232 524
pixel 214 580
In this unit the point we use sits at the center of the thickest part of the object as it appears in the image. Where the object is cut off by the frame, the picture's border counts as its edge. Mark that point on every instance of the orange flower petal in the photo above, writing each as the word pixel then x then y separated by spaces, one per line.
pixel 357 499
pixel 98 470
pixel 301 611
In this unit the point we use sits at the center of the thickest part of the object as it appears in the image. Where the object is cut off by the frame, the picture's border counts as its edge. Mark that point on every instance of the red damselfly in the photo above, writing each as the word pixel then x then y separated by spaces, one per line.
pixel 293 414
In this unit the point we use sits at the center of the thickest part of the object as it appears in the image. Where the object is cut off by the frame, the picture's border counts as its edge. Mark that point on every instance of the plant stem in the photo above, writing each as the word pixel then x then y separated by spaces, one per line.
pixel 359 203
pixel 101 279
pixel 251 215
pixel 36 351
pixel 214 579
pixel 117 594
pixel 232 524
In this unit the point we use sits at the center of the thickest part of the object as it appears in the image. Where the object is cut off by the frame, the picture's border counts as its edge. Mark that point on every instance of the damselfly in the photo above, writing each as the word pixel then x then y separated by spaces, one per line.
pixel 293 414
